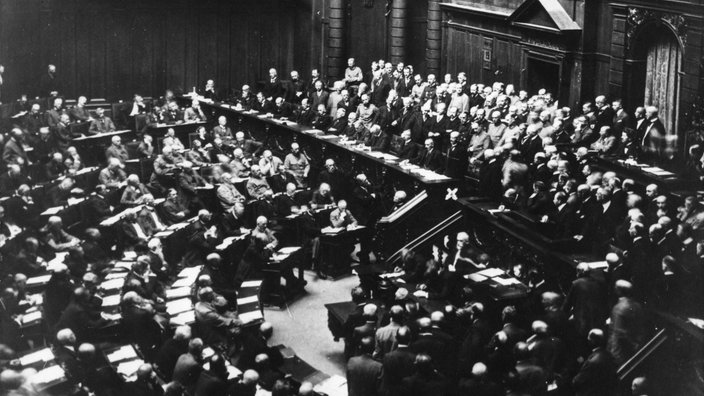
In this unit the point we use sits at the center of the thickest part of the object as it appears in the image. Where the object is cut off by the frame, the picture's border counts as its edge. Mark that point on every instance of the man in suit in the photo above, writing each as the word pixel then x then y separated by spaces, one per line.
pixel 438 128
pixel 189 365
pixel 173 114
pixel 53 115
pixel 117 150
pixel 295 89
pixel 273 87
pixel 366 328
pixel 363 372
pixel 455 157
pixel 282 109
pixel 194 113
pixel 429 157
pixel 597 376
pixel 654 140
pixel 221 130
pixel 170 351
pixel 12 179
pixel 78 315
pixel 398 363
pixel 304 115
pixel 321 120
pixel 628 326
pixel 531 377
pixel 318 96
pixel 426 380
pixel 409 149
pixel 62 133
pixel 385 338
pixel 586 300
pixel 102 123
pixel 146 383
pixel 13 152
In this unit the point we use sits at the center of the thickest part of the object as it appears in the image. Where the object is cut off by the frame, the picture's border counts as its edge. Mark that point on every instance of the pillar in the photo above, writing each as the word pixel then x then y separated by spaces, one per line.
pixel 336 40
pixel 434 39
pixel 399 17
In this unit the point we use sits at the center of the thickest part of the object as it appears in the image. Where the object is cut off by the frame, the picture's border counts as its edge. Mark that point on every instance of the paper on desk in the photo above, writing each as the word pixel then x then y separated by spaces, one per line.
pixel 490 272
pixel 332 230
pixel 113 317
pixel 249 317
pixel 124 264
pixel 163 234
pixel 52 211
pixel 251 283
pixel 113 284
pixel 184 318
pixel 178 306
pixel 475 277
pixel 190 272
pixel 601 265
pixel 48 375
pixel 247 300
pixel 124 353
pixel 289 249
pixel 177 293
pixel 225 243
pixel 130 255
pixel 73 201
pixel 183 282
pixel 116 275
pixel 507 281
pixel 333 386
pixel 390 275
pixel 111 301
pixel 42 355
pixel 38 280
pixel 129 368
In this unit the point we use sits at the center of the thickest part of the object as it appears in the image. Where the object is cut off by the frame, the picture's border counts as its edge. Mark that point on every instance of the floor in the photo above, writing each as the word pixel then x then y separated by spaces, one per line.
pixel 304 327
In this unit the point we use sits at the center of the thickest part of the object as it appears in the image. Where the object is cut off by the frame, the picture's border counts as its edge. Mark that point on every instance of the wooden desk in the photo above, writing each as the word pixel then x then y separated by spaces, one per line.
pixel 92 147
pixel 496 232
pixel 666 182
pixel 280 133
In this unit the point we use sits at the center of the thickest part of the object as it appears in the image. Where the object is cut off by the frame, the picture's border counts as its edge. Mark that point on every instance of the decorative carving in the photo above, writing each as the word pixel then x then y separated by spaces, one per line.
pixel 544 44
pixel 639 16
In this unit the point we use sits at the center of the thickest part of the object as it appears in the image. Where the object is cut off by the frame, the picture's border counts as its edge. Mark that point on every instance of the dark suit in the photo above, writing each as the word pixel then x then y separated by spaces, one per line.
pixel 456 161
pixel 318 98
pixel 429 160
pixel 363 376
pixel 587 301
pixel 597 376
pixel 397 365
pixel 168 354
pixel 434 384
pixel 273 88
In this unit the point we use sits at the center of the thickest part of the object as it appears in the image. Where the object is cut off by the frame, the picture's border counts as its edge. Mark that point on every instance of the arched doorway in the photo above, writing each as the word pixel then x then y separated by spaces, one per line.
pixel 654 62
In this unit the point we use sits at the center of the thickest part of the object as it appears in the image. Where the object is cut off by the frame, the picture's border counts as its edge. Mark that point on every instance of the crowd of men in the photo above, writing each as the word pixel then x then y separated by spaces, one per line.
pixel 525 151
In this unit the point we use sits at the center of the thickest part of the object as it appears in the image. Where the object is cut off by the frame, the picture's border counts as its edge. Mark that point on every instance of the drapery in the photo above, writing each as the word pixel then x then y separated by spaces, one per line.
pixel 663 62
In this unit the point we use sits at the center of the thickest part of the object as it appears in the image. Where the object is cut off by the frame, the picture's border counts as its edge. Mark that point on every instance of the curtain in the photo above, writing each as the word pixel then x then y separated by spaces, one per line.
pixel 661 78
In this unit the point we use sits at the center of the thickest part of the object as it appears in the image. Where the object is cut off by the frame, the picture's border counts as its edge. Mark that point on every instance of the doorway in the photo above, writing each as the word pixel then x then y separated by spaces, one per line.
pixel 542 74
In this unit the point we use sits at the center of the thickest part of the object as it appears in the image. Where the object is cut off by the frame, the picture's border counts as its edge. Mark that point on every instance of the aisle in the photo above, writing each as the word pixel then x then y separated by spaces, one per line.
pixel 304 325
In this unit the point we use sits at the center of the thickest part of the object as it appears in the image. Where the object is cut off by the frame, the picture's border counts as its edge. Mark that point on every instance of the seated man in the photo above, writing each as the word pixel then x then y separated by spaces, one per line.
pixel 117 150
pixel 134 191
pixel 297 163
pixel 189 181
pixel 269 163
pixel 322 198
pixel 194 113
pixel 79 316
pixel 197 155
pixel 79 113
pixel 257 184
pixel 341 217
pixel 112 176
pixel 263 244
pixel 240 165
pixel 218 326
pixel 101 124
pixel 145 148
pixel 56 238
pixel 233 221
pixel 227 193
pixel 250 148
pixel 173 114
pixel 174 210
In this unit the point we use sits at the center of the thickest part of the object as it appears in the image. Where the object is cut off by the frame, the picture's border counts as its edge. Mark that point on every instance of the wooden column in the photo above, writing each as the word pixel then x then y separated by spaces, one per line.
pixel 434 39
pixel 336 40
pixel 399 17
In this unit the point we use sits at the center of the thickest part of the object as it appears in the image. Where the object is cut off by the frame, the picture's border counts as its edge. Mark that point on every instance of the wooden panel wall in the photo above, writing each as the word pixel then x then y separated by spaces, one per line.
pixel 112 49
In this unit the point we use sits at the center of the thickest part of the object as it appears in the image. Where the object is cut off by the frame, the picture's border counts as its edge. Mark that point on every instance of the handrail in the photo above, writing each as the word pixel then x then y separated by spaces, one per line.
pixel 431 233
pixel 627 368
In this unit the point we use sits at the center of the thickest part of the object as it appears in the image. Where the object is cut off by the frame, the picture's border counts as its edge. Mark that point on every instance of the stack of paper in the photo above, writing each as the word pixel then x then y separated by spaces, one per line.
pixel 185 318
pixel 49 375
pixel 507 281
pixel 42 355
pixel 129 369
pixel 178 306
pixel 491 272
pixel 252 283
pixel 172 294
pixel 249 317
pixel 111 301
pixel 31 317
pixel 38 280
pixel 113 284
pixel 333 386
pixel 124 353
